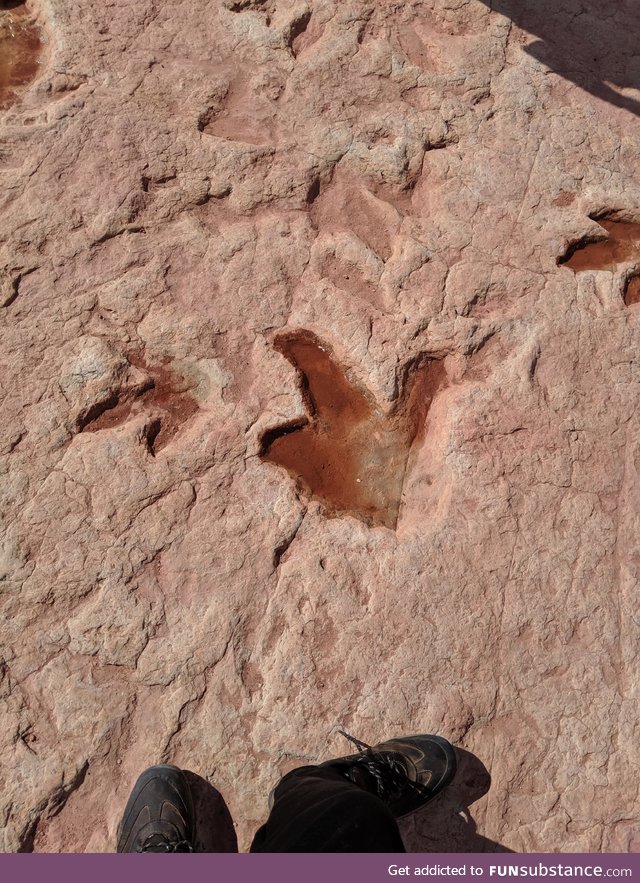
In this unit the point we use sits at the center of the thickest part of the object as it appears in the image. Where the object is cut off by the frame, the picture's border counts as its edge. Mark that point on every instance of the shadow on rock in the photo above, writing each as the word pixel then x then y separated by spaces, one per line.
pixel 446 825
pixel 591 43
pixel 214 826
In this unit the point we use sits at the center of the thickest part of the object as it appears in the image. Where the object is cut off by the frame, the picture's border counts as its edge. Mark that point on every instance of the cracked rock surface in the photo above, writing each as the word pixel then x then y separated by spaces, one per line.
pixel 184 185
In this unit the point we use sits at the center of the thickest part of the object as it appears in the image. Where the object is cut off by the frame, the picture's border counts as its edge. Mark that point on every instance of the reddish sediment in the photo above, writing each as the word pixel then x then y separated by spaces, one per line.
pixel 20 50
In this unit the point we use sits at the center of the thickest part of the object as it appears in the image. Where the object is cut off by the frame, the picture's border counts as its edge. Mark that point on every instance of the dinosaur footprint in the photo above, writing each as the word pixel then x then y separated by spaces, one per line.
pixel 348 453
pixel 20 49
pixel 165 396
pixel 621 244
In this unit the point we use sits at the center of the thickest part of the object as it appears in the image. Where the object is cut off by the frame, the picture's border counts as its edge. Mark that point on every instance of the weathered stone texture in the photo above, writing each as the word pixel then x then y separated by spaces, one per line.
pixel 185 182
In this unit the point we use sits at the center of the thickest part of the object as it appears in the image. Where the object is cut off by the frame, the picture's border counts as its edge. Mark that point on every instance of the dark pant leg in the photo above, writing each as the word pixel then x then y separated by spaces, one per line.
pixel 316 809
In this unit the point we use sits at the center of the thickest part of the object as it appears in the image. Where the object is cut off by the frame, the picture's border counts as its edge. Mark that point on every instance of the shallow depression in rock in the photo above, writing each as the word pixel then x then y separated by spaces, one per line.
pixel 621 245
pixel 348 453
pixel 165 394
pixel 632 291
pixel 20 50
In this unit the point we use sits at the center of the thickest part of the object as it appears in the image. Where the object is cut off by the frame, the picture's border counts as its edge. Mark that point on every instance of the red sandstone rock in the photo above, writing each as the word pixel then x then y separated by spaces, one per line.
pixel 182 189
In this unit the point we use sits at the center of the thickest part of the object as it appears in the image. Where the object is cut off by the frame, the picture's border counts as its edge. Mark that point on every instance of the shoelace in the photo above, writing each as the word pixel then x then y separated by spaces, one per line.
pixel 389 774
pixel 158 843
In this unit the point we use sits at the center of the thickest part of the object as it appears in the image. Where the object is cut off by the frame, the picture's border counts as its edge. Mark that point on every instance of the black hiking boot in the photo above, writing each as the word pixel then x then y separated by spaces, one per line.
pixel 158 816
pixel 405 773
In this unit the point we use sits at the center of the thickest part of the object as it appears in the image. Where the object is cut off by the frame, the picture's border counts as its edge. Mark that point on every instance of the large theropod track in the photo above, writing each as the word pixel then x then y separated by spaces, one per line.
pixel 348 453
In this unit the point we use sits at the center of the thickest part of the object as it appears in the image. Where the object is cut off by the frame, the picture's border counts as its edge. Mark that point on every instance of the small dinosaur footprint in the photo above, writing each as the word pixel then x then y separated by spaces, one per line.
pixel 165 396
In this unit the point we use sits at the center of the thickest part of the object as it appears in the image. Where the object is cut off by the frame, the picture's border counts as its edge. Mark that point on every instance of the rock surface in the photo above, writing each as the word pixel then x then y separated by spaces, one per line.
pixel 182 185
